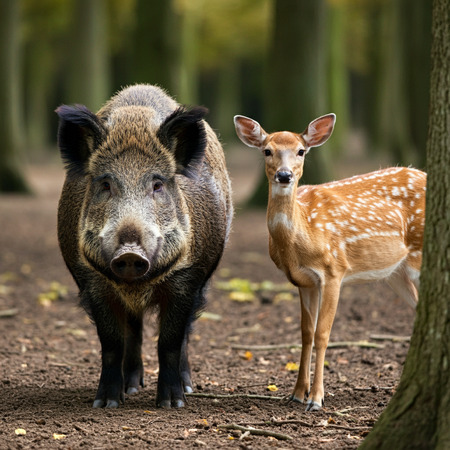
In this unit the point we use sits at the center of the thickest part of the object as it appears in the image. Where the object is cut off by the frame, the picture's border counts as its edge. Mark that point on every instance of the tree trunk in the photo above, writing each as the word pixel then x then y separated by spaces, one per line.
pixel 337 76
pixel 152 50
pixel 418 416
pixel 296 91
pixel 392 132
pixel 188 89
pixel 11 179
pixel 87 79
pixel 417 40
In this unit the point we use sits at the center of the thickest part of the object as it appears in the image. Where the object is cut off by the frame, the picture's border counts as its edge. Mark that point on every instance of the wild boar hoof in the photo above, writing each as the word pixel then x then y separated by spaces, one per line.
pixel 132 390
pixel 130 263
pixel 166 404
pixel 99 403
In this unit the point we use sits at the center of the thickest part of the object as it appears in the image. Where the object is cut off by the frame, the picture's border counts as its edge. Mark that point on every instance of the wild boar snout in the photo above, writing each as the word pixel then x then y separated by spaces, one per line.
pixel 130 262
pixel 130 247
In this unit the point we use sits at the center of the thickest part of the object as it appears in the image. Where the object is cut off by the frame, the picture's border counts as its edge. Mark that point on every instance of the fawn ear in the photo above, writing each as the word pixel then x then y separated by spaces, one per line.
pixel 249 131
pixel 319 130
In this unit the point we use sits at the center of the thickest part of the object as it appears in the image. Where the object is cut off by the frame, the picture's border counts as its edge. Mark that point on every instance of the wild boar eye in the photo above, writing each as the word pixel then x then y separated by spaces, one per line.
pixel 106 186
pixel 157 186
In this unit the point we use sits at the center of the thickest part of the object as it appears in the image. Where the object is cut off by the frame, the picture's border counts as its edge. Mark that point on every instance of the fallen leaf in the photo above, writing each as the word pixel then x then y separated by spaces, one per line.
pixel 76 331
pixel 5 290
pixel 283 297
pixel 59 436
pixel 263 361
pixel 331 420
pixel 20 432
pixel 291 366
pixel 25 269
pixel 56 291
pixel 8 276
pixel 205 315
pixel 238 296
pixel 272 388
pixel 248 355
pixel 342 361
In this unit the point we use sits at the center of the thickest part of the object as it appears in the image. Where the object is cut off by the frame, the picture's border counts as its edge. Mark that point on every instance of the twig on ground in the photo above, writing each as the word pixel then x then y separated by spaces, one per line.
pixel 374 388
pixel 258 397
pixel 255 431
pixel 390 337
pixel 274 421
pixel 364 344
pixel 9 312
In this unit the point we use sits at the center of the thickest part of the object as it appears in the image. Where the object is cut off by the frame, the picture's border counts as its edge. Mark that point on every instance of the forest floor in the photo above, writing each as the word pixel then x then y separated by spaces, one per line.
pixel 50 354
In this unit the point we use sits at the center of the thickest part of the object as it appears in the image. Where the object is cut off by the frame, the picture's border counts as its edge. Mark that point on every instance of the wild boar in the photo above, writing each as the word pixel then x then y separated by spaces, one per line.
pixel 143 218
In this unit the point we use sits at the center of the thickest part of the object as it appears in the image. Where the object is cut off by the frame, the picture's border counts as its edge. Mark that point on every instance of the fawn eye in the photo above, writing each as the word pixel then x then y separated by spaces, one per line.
pixel 267 152
pixel 157 186
pixel 301 152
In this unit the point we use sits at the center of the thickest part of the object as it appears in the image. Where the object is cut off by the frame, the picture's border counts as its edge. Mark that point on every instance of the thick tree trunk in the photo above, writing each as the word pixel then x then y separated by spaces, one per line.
pixel 296 90
pixel 88 76
pixel 418 416
pixel 11 179
pixel 152 50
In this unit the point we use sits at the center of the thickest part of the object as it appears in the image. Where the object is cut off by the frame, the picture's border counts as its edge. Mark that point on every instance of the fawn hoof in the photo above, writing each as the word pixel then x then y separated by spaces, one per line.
pixel 313 406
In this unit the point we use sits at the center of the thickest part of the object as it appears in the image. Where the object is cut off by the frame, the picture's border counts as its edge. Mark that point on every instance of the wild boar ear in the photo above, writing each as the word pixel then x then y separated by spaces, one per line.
pixel 79 132
pixel 184 133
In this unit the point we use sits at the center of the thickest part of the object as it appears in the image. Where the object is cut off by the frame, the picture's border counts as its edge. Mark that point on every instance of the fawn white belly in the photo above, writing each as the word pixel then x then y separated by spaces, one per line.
pixel 371 275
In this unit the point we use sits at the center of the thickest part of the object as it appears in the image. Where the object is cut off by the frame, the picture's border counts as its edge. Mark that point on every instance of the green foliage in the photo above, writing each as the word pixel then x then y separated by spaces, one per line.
pixel 229 30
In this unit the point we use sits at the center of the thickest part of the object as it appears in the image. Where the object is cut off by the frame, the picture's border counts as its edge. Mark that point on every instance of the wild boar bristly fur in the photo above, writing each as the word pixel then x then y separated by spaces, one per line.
pixel 143 219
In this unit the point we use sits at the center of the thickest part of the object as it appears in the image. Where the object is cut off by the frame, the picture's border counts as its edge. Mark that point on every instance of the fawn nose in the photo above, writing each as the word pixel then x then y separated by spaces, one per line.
pixel 284 176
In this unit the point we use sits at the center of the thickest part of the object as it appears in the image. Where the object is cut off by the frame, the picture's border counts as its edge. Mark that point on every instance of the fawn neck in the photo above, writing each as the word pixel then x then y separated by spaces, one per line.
pixel 284 213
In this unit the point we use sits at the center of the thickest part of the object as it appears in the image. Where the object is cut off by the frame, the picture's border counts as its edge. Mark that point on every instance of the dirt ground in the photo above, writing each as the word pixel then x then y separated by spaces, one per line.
pixel 50 354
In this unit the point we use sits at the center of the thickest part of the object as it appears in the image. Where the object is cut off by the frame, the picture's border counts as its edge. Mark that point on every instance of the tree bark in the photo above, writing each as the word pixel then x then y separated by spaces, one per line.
pixel 87 80
pixel 296 90
pixel 418 416
pixel 152 50
pixel 11 178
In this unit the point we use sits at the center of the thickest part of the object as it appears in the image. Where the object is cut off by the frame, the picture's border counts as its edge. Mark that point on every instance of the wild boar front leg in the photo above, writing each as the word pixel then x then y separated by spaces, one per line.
pixel 133 369
pixel 175 323
pixel 110 330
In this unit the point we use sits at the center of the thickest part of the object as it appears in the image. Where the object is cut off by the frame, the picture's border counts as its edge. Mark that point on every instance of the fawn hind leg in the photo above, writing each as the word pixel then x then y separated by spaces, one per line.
pixel 405 286
pixel 309 299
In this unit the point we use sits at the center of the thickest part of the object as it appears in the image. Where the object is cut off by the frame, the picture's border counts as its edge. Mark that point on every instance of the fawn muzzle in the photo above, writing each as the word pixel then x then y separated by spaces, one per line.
pixel 284 176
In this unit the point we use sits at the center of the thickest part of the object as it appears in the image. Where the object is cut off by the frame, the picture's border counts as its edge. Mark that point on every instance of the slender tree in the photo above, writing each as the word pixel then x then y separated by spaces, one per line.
pixel 87 77
pixel 11 178
pixel 418 416
pixel 296 90
pixel 152 50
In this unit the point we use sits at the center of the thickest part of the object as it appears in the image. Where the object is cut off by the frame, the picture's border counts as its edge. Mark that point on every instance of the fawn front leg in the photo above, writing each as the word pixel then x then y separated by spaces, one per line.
pixel 330 297
pixel 309 300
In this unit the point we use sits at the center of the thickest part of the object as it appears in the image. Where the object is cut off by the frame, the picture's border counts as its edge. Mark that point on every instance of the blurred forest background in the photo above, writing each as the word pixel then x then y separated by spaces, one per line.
pixel 281 62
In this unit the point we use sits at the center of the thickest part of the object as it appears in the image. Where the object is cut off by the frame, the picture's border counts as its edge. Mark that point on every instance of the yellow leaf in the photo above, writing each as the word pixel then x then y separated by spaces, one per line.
pixel 20 432
pixel 283 297
pixel 205 315
pixel 248 355
pixel 238 296
pixel 291 366
pixel 59 436
pixel 272 388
